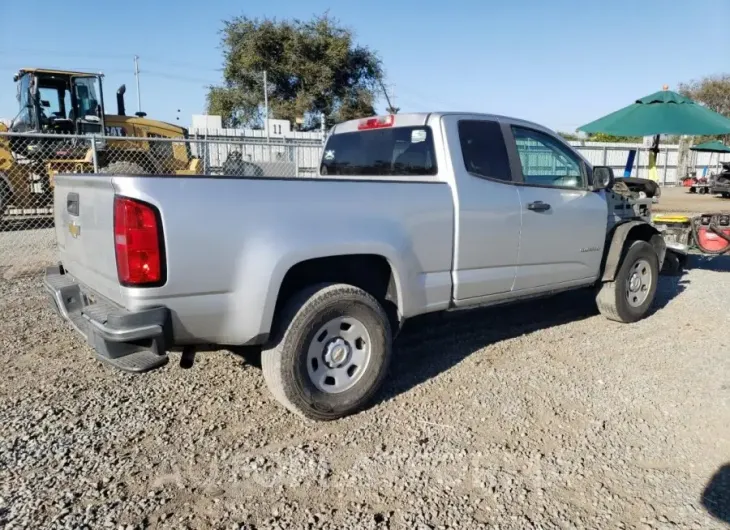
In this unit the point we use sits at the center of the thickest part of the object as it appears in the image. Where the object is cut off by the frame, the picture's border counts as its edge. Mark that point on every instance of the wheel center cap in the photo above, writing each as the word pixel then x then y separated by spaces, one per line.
pixel 634 282
pixel 336 352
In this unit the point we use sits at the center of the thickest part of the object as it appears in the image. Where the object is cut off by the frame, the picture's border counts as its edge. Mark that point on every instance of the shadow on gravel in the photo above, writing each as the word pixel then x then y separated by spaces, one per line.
pixel 668 289
pixel 711 263
pixel 250 355
pixel 716 497
pixel 432 344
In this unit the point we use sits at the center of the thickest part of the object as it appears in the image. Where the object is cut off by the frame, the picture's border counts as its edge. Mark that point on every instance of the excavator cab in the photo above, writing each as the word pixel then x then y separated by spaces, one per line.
pixel 58 102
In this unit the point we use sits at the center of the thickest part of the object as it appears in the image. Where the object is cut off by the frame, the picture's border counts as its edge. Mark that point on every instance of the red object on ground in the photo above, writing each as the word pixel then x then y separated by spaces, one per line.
pixel 710 241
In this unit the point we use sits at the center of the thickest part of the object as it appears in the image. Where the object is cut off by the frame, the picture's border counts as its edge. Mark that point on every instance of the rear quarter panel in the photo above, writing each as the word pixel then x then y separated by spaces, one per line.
pixel 230 242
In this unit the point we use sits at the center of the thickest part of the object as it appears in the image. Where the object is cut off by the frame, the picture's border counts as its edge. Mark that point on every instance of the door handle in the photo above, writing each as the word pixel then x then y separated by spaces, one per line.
pixel 538 206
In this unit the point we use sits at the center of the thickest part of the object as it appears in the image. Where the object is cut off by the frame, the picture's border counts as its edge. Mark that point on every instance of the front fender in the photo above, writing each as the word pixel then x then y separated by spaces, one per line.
pixel 630 231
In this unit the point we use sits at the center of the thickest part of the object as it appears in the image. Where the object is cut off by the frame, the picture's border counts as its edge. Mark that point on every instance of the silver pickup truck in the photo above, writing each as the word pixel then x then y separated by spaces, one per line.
pixel 410 214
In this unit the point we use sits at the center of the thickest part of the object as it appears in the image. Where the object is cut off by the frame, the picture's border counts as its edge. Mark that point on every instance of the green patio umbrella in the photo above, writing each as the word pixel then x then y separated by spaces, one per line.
pixel 664 112
pixel 712 147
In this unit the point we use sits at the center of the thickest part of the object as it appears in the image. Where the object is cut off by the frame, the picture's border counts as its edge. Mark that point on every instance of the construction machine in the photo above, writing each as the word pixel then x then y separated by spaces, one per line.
pixel 59 113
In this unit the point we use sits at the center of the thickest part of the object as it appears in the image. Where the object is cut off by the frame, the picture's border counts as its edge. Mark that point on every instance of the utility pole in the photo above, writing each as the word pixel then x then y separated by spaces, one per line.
pixel 136 75
pixel 391 109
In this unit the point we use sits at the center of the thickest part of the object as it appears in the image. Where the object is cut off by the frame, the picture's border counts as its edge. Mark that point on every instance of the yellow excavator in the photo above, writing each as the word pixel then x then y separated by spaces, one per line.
pixel 56 104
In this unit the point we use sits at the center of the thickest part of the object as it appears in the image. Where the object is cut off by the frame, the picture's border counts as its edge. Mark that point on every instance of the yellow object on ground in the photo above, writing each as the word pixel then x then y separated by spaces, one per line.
pixel 653 174
pixel 669 219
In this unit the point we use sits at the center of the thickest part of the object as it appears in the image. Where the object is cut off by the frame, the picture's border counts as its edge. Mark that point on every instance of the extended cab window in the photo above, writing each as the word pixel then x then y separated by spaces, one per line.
pixel 546 161
pixel 483 149
pixel 393 152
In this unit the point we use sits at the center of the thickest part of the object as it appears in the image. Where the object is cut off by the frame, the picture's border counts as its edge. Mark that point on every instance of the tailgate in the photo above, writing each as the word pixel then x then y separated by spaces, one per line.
pixel 84 220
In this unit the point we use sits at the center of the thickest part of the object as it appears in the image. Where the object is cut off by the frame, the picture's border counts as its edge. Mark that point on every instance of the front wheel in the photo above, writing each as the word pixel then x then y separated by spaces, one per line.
pixel 629 297
pixel 330 352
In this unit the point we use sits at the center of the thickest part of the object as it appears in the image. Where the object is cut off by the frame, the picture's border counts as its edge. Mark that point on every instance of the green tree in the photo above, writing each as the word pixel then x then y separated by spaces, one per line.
pixel 604 137
pixel 312 68
pixel 714 92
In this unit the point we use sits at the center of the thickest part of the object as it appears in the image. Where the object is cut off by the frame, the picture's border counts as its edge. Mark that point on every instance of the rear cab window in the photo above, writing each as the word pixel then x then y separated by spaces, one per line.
pixel 386 152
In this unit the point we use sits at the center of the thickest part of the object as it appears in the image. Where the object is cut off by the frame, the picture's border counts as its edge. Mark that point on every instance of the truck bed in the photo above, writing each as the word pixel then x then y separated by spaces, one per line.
pixel 229 242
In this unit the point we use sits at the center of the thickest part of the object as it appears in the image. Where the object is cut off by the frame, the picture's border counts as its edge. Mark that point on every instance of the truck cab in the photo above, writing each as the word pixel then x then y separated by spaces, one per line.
pixel 410 214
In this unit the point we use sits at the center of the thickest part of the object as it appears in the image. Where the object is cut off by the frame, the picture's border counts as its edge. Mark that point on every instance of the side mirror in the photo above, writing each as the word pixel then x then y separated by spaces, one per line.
pixel 603 178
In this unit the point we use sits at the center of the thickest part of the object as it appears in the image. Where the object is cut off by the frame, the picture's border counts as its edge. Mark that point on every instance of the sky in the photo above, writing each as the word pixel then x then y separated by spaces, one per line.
pixel 561 63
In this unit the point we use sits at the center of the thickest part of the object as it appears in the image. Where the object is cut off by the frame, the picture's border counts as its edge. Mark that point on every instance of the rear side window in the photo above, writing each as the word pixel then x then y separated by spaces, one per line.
pixel 392 152
pixel 483 149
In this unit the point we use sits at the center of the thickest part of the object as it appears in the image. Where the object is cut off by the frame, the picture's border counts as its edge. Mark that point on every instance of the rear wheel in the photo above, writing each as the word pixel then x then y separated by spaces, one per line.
pixel 629 297
pixel 330 353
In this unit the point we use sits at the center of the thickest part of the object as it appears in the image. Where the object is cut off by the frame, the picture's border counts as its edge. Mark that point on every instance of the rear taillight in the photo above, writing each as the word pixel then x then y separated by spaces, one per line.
pixel 138 243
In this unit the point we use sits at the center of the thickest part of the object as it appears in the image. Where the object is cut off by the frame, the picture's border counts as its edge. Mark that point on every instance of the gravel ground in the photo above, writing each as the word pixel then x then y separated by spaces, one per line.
pixel 23 251
pixel 535 416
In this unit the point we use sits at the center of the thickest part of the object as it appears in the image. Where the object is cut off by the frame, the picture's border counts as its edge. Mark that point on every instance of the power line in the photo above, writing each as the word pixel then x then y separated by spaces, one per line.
pixel 94 56
pixel 176 77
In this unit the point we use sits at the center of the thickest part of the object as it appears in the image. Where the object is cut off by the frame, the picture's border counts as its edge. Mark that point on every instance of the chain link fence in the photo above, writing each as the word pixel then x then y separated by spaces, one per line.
pixel 30 162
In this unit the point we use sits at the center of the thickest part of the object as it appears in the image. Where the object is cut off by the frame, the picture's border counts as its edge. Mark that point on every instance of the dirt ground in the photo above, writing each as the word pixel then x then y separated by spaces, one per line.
pixel 679 200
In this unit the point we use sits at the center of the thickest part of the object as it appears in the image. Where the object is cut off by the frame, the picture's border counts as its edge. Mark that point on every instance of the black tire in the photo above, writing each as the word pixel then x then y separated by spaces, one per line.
pixel 674 264
pixel 123 168
pixel 703 191
pixel 284 362
pixel 613 297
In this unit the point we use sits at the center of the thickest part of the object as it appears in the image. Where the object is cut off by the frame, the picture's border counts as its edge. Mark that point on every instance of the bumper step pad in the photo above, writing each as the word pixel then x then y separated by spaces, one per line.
pixel 133 341
pixel 138 362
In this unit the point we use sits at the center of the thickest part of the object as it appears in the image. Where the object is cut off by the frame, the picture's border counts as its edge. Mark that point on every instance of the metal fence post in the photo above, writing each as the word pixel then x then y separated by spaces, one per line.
pixel 605 155
pixel 295 148
pixel 666 162
pixel 638 165
pixel 94 154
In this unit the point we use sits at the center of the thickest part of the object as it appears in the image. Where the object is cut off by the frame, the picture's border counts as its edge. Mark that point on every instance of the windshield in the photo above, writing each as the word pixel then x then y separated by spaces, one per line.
pixel 87 98
pixel 23 117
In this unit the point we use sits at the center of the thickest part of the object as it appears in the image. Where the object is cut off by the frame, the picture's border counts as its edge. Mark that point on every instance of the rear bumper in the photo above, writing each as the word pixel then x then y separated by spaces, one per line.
pixel 131 341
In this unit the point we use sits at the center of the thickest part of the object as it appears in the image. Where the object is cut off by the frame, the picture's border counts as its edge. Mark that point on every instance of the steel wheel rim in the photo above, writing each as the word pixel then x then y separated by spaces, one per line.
pixel 638 283
pixel 338 355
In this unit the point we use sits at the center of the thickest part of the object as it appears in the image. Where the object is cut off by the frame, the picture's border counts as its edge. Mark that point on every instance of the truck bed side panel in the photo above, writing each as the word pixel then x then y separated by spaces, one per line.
pixel 231 241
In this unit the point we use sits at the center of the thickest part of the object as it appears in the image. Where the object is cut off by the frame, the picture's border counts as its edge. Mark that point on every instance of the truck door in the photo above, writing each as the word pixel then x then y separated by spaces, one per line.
pixel 563 222
pixel 488 213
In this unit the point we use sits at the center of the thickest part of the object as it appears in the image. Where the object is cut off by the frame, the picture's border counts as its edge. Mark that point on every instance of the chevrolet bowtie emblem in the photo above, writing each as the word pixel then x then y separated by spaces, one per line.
pixel 74 229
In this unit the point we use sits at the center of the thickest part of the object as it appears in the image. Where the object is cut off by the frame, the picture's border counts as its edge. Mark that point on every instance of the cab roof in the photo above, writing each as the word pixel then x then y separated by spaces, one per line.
pixel 55 71
pixel 419 119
